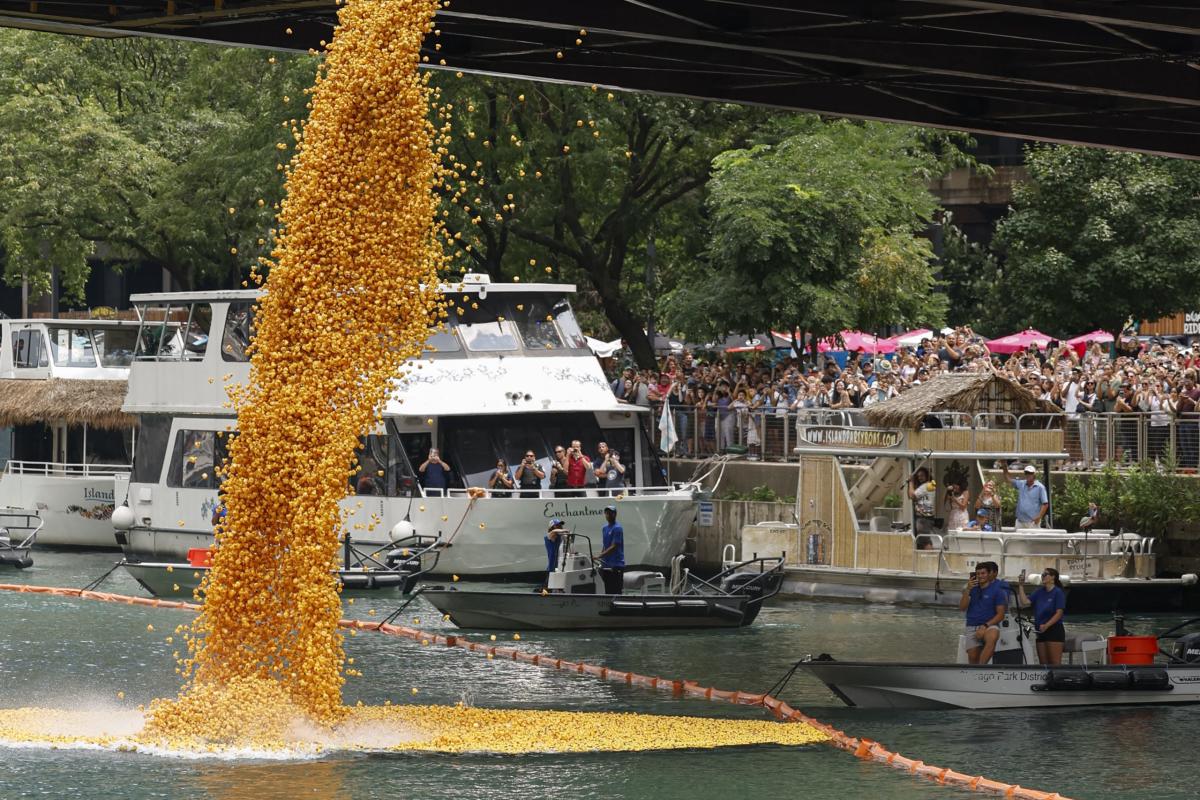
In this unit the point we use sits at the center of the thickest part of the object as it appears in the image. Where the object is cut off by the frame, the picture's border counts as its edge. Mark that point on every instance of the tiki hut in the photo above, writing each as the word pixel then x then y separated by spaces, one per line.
pixel 71 402
pixel 969 393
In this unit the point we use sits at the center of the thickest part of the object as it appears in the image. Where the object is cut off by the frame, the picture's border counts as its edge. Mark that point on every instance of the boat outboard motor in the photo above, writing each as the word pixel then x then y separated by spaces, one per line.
pixel 1187 648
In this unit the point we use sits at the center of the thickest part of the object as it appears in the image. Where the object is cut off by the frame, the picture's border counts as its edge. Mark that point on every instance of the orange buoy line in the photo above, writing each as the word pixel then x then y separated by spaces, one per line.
pixel 865 749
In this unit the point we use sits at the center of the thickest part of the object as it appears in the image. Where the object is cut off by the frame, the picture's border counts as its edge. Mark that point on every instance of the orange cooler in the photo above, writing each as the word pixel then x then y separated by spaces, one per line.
pixel 1132 649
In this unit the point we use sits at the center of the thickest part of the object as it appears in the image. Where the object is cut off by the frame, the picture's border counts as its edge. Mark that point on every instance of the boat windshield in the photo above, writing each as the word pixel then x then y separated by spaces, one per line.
pixel 442 342
pixel 72 347
pixel 115 346
pixel 533 322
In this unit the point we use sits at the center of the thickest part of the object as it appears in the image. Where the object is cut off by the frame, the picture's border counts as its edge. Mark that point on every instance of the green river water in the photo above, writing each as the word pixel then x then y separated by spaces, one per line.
pixel 64 653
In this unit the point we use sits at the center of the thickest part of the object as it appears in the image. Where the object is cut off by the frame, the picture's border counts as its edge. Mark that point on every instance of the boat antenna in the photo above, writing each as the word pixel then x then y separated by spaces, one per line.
pixel 1020 618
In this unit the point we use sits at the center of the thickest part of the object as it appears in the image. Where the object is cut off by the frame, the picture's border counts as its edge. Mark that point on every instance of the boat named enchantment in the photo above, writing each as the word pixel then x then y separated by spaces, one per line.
pixel 511 375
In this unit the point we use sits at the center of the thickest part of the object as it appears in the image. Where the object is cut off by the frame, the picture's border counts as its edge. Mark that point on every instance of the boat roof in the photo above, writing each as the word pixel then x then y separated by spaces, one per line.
pixel 78 323
pixel 466 287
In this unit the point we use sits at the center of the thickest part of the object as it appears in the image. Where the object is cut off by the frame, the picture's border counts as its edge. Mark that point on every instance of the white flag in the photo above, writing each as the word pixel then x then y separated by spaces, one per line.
pixel 667 438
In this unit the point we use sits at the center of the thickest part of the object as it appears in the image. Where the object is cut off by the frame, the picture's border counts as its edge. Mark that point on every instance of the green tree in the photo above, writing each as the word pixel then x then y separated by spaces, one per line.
pixel 969 274
pixel 817 230
pixel 135 150
pixel 1096 237
pixel 574 180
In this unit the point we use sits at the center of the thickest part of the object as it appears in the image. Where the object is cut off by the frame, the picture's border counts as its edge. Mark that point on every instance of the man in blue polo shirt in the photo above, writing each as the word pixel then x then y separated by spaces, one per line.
pixel 1032 499
pixel 985 600
pixel 612 556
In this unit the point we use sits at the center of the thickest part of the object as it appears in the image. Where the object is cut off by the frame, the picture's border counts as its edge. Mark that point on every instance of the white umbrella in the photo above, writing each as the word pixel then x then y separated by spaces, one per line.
pixel 603 349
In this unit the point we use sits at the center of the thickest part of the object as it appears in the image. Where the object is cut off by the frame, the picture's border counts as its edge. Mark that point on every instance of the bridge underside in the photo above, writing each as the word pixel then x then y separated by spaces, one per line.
pixel 1097 72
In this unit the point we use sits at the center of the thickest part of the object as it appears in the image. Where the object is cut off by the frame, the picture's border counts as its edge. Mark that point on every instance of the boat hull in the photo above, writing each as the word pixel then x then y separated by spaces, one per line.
pixel 940 686
pixel 1092 596
pixel 534 611
pixel 489 537
pixel 77 509
pixel 180 581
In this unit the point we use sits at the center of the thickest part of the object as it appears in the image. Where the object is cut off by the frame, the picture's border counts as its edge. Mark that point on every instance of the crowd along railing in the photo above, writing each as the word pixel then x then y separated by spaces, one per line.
pixel 1091 440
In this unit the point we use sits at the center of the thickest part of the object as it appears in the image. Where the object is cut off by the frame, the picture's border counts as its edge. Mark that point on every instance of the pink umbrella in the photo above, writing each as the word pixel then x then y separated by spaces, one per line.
pixel 909 339
pixel 856 340
pixel 1016 342
pixel 1080 343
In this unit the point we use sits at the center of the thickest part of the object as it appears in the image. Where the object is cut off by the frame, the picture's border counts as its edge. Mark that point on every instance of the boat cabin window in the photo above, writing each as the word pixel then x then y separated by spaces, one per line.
pixel 195 334
pixel 486 331
pixel 29 349
pixel 239 330
pixel 441 343
pixel 471 445
pixel 72 347
pixel 537 325
pixel 383 467
pixel 153 432
pixel 194 460
pixel 115 346
pixel 568 326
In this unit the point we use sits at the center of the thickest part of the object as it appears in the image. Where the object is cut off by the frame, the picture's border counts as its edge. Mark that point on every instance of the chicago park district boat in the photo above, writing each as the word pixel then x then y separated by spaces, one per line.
pixel 1099 671
pixel 64 438
pixel 847 542
pixel 512 374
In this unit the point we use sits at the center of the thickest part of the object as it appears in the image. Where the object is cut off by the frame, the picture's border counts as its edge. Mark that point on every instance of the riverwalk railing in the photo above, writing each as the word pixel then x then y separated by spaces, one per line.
pixel 1089 441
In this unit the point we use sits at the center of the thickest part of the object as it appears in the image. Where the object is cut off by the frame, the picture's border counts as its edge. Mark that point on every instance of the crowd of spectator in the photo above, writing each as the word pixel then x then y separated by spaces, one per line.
pixel 724 399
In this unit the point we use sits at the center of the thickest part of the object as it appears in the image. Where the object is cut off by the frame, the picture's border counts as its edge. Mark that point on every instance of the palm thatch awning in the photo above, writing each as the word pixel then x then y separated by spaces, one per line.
pixel 66 401
pixel 965 392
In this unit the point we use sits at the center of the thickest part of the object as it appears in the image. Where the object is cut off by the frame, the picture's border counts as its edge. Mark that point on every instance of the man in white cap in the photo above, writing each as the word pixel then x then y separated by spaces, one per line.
pixel 1032 499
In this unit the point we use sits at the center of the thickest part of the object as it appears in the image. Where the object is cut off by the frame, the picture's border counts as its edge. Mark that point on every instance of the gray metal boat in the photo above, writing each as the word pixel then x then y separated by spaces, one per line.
pixel 1172 678
pixel 18 532
pixel 574 598
pixel 978 686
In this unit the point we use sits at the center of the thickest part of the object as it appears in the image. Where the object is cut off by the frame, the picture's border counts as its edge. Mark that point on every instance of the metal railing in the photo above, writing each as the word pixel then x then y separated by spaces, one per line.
pixel 1090 441
pixel 551 494
pixel 59 469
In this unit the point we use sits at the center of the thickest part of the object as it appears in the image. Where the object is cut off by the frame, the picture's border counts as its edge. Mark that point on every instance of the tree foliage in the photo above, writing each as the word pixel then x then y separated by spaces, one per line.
pixel 1096 237
pixel 574 179
pixel 135 150
pixel 816 231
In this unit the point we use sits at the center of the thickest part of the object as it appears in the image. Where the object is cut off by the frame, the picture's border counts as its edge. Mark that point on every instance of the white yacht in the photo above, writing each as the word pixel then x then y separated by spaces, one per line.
pixel 511 375
pixel 64 436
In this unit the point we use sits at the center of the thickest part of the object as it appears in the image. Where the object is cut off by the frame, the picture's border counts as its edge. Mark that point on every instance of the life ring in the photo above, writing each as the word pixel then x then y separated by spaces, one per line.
pixel 476 491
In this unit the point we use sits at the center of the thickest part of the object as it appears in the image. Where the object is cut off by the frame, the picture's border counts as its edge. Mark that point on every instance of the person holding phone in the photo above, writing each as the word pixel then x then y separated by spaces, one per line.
pixel 529 475
pixel 985 600
pixel 501 482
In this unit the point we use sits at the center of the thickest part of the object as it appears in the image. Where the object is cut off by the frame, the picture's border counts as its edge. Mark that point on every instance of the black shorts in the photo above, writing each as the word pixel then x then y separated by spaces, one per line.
pixel 1055 633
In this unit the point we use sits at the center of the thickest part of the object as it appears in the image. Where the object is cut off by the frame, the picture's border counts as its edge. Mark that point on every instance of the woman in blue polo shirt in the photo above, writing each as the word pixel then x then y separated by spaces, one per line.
pixel 1049 603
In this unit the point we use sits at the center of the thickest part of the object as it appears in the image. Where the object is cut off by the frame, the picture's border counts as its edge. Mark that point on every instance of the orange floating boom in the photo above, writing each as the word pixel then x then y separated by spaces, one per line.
pixel 865 749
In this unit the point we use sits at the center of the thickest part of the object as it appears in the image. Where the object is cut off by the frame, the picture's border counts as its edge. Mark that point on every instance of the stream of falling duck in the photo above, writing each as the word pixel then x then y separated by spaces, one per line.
pixel 352 292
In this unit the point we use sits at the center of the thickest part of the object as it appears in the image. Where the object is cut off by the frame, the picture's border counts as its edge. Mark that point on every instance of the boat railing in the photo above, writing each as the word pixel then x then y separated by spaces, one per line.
pixel 1072 547
pixel 62 469
pixel 27 523
pixel 551 494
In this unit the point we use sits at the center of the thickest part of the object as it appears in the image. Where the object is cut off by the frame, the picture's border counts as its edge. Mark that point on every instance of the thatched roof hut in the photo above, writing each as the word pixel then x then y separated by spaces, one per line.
pixel 73 402
pixel 966 392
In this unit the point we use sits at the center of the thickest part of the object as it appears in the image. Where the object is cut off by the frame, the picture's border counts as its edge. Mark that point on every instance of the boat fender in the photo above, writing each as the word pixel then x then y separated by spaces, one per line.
pixel 1111 680
pixel 1067 680
pixel 1152 679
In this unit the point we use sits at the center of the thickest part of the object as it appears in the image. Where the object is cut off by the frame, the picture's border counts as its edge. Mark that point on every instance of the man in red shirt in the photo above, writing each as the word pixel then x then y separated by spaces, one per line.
pixel 578 466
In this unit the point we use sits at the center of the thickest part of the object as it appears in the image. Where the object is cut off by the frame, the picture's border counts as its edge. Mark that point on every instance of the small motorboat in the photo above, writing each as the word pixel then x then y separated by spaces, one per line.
pixel 398 569
pixel 18 533
pixel 1102 671
pixel 574 597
